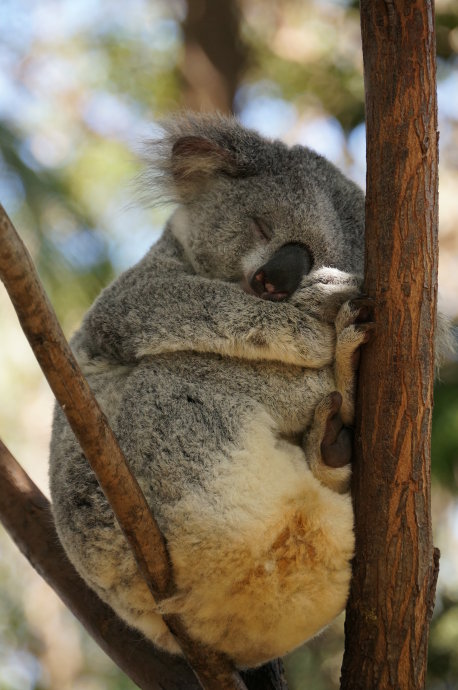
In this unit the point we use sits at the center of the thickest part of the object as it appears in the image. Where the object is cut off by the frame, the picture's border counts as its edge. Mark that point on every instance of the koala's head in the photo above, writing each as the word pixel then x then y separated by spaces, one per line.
pixel 252 210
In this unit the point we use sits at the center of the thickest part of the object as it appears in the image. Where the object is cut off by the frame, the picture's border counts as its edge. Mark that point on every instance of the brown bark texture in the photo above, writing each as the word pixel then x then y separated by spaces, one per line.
pixel 395 568
pixel 99 444
pixel 214 54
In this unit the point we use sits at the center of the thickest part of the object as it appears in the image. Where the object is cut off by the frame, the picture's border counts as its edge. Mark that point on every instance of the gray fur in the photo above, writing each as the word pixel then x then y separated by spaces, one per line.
pixel 182 359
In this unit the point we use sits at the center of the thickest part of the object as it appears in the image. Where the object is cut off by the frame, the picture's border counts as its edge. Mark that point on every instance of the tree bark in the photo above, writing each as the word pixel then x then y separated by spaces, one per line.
pixel 395 567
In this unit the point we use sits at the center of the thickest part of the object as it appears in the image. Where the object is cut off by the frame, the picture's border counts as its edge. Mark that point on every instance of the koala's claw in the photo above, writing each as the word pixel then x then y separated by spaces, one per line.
pixel 336 445
pixel 366 329
pixel 363 300
pixel 354 321
pixel 364 307
pixel 356 310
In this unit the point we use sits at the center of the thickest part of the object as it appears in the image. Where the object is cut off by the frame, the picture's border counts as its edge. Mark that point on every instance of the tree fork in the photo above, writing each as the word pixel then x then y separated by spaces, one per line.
pixel 395 567
pixel 26 515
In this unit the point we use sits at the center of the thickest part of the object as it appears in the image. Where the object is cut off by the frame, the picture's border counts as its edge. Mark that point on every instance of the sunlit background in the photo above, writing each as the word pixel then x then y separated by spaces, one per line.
pixel 82 82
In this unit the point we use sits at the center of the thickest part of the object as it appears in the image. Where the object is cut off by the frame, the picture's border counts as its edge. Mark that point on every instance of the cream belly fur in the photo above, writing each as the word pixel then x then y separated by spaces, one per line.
pixel 287 573
pixel 261 568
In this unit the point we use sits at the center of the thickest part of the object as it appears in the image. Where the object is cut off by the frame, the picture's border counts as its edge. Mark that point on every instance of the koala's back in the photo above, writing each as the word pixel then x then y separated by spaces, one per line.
pixel 203 435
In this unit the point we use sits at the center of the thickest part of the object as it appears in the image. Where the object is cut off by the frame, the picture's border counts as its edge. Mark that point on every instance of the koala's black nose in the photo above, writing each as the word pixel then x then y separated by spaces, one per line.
pixel 282 274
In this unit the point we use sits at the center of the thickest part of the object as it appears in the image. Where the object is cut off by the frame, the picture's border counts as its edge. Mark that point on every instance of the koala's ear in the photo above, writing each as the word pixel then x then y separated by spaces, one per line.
pixel 195 160
pixel 192 150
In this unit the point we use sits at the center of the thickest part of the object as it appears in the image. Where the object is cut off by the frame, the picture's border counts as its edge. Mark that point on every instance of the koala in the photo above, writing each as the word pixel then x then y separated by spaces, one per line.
pixel 225 363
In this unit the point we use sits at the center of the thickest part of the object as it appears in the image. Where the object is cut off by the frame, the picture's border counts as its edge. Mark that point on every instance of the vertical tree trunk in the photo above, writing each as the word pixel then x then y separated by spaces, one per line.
pixel 395 568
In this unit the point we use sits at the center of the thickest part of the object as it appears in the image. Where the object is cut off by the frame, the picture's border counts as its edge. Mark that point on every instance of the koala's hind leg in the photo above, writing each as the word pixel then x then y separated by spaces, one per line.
pixel 328 444
pixel 353 329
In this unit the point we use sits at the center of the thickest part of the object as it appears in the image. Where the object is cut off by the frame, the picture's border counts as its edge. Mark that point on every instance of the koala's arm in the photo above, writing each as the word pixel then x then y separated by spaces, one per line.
pixel 161 306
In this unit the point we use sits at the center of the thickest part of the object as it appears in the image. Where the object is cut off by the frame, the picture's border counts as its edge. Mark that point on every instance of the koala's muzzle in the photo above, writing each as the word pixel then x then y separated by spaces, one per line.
pixel 282 274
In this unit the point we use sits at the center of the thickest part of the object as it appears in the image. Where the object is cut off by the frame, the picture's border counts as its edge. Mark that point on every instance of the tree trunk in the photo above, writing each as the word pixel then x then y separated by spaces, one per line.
pixel 395 567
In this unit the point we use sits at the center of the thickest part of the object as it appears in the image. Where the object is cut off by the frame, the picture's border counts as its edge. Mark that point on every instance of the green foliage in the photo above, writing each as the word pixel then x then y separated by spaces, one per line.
pixel 337 88
pixel 444 441
pixel 145 76
pixel 443 659
pixel 317 664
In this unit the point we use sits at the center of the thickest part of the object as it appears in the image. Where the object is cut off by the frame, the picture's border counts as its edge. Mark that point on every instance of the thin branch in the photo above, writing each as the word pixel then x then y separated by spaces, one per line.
pixel 87 420
pixel 89 424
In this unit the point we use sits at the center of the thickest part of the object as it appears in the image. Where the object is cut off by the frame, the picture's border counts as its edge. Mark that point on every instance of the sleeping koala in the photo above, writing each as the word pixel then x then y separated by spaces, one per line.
pixel 225 363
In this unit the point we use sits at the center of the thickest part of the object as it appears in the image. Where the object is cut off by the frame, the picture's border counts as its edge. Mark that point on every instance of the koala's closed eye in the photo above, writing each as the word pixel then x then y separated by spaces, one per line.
pixel 261 229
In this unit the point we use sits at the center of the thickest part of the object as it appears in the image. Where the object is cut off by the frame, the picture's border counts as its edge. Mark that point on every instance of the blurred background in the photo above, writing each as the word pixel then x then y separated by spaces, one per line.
pixel 82 82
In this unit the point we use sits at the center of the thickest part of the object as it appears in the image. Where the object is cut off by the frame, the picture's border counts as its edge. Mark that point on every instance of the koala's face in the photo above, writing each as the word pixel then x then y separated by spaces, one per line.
pixel 258 213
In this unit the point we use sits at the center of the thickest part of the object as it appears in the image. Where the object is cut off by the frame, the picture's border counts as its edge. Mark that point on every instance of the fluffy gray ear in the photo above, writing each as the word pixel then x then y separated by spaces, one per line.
pixel 192 151
pixel 195 160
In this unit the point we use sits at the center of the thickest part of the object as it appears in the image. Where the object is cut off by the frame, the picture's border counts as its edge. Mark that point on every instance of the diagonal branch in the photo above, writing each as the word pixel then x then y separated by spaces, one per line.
pixel 87 420
pixel 40 325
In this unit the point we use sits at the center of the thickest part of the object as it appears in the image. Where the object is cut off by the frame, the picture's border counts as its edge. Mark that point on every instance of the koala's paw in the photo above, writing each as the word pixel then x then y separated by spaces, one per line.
pixel 328 444
pixel 354 327
pixel 336 445
pixel 325 290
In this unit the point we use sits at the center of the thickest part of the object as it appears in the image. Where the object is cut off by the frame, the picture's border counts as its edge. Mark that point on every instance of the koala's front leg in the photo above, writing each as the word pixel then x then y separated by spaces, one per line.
pixel 324 291
pixel 328 445
pixel 353 329
pixel 159 307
